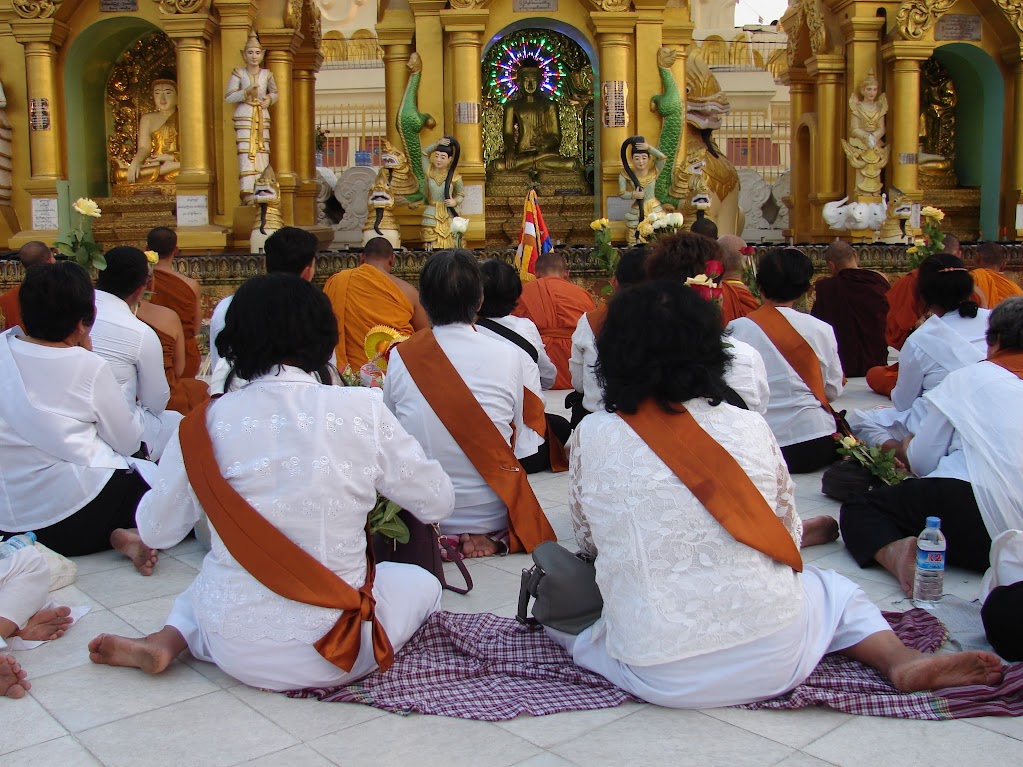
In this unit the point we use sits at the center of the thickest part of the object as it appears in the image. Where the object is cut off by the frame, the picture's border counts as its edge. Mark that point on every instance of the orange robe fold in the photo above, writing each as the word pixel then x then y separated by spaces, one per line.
pixel 993 287
pixel 173 292
pixel 736 301
pixel 361 298
pixel 186 394
pixel 555 306
pixel 10 309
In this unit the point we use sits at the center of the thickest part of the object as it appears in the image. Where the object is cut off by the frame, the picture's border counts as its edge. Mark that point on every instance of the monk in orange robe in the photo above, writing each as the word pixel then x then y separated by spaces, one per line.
pixel 177 292
pixel 554 305
pixel 185 393
pixel 31 253
pixel 737 300
pixel 370 295
pixel 990 284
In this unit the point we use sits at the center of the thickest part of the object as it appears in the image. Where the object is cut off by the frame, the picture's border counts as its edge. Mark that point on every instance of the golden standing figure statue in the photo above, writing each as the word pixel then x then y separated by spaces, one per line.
pixel 643 193
pixel 157 156
pixel 444 193
pixel 865 148
pixel 532 128
pixel 254 90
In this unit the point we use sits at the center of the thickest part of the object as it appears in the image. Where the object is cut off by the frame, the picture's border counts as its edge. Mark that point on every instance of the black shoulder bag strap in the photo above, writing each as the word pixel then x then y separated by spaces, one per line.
pixel 511 335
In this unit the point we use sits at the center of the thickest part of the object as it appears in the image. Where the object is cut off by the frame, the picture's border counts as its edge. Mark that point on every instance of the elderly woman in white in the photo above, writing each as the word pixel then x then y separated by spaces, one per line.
pixel 692 617
pixel 308 458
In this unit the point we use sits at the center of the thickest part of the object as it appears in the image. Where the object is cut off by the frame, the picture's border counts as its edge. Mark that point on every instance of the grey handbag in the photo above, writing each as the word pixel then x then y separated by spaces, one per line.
pixel 564 586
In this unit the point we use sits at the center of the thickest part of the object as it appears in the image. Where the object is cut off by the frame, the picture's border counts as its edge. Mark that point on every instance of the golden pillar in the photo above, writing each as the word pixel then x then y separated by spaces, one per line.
pixel 862 52
pixel 801 103
pixel 615 39
pixel 828 72
pixel 649 38
pixel 904 113
pixel 281 47
pixel 395 34
pixel 430 45
pixel 304 87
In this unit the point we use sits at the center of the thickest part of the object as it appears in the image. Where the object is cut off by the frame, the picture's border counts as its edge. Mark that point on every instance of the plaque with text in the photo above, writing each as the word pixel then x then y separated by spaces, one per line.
pixel 914 215
pixel 531 6
pixel 39 113
pixel 958 26
pixel 472 205
pixel 467 112
pixel 193 210
pixel 907 158
pixel 615 113
pixel 44 214
pixel 118 6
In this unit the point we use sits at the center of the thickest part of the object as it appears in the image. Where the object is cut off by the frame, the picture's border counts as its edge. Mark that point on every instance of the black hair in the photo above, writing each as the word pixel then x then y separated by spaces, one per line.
pixel 126 271
pixel 681 256
pixel 631 269
pixel 704 227
pixel 1005 325
pixel 290 250
pixel 673 336
pixel 450 287
pixel 163 240
pixel 278 319
pixel 54 298
pixel 501 288
pixel 784 274
pixel 944 282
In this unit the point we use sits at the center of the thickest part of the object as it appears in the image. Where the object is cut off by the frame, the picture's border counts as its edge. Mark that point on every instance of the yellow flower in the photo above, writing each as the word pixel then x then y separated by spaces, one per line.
pixel 849 442
pixel 86 207
pixel 595 225
pixel 911 251
pixel 700 279
pixel 152 256
pixel 605 223
pixel 929 211
pixel 645 229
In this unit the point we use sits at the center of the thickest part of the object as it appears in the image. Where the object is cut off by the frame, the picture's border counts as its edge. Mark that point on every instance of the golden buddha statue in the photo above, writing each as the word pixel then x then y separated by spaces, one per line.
pixel 937 126
pixel 157 156
pixel 532 129
pixel 865 148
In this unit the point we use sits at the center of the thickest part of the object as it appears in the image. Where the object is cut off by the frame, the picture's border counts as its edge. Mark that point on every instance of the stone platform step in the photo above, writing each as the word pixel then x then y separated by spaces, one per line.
pixel 127 220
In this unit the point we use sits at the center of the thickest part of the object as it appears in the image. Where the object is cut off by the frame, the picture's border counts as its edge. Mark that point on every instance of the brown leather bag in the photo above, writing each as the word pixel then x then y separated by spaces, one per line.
pixel 423 549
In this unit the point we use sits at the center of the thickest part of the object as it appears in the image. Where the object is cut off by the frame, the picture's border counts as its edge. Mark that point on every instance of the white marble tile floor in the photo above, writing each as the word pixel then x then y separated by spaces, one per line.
pixel 81 714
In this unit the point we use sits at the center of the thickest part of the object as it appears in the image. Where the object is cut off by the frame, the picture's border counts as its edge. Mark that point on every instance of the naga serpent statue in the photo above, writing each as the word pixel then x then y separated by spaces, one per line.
pixel 410 122
pixel 668 105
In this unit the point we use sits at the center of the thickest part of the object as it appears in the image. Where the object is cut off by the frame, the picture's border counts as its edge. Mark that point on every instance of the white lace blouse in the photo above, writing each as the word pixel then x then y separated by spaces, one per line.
pixel 675 583
pixel 310 458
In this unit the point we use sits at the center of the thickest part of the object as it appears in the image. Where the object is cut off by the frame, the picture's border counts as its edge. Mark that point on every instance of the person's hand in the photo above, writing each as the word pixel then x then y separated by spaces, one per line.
pixel 642 147
pixel 638 194
pixel 265 102
pixel 451 202
pixel 133 171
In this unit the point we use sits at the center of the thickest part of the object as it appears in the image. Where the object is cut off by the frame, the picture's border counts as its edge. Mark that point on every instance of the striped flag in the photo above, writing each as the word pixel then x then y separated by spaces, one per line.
pixel 534 238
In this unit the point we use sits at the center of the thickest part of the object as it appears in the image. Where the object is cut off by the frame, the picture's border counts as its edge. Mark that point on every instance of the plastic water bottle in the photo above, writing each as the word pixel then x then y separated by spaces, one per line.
pixel 930 565
pixel 15 542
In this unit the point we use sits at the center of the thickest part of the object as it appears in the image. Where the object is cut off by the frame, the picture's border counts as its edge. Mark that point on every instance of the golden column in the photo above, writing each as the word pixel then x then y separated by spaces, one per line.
pixel 281 46
pixel 862 52
pixel 828 72
pixel 395 35
pixel 801 102
pixel 904 114
pixel 307 63
pixel 615 39
pixel 430 46
pixel 649 38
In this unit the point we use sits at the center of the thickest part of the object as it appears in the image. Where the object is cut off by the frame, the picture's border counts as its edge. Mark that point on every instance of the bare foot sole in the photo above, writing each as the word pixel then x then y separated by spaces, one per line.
pixel 129 543
pixel 934 671
pixel 113 650
pixel 474 546
pixel 819 530
pixel 48 623
pixel 899 558
pixel 12 678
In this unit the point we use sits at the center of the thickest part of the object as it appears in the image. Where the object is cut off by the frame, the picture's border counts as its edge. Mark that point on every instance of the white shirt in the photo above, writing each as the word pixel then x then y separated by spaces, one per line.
pixel 492 372
pixel 64 428
pixel 134 352
pixel 793 413
pixel 217 322
pixel 528 330
pixel 675 583
pixel 582 365
pixel 309 458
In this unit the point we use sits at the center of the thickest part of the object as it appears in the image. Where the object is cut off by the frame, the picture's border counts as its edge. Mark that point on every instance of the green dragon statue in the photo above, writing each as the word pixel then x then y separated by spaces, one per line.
pixel 669 105
pixel 410 122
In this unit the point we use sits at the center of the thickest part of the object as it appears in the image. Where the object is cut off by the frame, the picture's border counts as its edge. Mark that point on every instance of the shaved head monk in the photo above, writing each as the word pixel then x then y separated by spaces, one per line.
pixel 991 286
pixel 177 292
pixel 370 295
pixel 737 300
pixel 31 253
pixel 554 305
pixel 853 301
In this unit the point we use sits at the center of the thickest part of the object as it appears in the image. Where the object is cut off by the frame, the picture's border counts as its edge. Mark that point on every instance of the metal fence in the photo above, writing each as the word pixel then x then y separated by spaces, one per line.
pixel 757 140
pixel 352 134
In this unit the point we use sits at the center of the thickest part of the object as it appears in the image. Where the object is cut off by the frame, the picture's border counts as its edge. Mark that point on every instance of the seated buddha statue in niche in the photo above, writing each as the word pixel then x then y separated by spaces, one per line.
pixel 532 129
pixel 157 157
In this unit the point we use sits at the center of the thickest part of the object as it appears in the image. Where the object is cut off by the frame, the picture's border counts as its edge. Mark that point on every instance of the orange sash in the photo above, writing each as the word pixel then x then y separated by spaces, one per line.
pixel 596 319
pixel 471 427
pixel 275 561
pixel 1010 359
pixel 716 479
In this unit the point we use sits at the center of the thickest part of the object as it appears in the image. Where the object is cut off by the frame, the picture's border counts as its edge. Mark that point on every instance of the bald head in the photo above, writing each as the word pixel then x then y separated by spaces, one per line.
pixel 990 255
pixel 841 255
pixel 731 253
pixel 35 252
pixel 952 246
pixel 551 265
pixel 378 250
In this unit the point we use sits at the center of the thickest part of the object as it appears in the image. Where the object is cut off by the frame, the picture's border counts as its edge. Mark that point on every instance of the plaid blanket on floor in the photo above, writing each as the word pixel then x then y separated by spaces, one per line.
pixel 480 666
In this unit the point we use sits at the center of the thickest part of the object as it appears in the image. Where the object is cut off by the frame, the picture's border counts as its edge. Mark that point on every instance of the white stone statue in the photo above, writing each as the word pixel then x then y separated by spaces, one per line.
pixel 253 89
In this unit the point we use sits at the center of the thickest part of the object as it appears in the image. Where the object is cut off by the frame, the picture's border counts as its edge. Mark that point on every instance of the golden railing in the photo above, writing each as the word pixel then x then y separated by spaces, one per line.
pixel 350 128
pixel 358 53
pixel 757 140
pixel 743 53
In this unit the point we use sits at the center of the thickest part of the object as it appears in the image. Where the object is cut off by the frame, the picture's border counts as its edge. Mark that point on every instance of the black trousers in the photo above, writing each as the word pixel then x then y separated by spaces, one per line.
pixel 88 529
pixel 1002 614
pixel 541 459
pixel 809 456
pixel 872 520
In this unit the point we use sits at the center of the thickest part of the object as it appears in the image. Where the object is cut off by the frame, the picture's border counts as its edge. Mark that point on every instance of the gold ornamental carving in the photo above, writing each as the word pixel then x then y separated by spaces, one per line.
pixel 293 14
pixel 917 16
pixel 36 9
pixel 1013 10
pixel 792 41
pixel 315 24
pixel 612 5
pixel 468 5
pixel 815 24
pixel 174 7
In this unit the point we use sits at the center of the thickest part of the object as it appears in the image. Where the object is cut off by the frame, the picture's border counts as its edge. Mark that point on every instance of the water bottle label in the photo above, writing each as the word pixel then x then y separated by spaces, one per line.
pixel 930 560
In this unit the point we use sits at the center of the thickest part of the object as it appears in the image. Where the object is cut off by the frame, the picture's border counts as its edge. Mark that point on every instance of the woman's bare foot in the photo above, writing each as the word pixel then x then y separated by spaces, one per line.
pixel 48 623
pixel 152 654
pixel 474 546
pixel 819 530
pixel 899 558
pixel 129 543
pixel 12 678
pixel 930 672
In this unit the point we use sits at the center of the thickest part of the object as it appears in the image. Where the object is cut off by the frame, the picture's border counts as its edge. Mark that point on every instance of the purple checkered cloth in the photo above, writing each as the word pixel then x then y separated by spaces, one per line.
pixel 480 666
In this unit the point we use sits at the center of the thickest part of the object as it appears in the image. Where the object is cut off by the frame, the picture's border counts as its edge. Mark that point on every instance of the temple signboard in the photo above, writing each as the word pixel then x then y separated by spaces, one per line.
pixel 532 6
pixel 193 210
pixel 958 26
pixel 118 6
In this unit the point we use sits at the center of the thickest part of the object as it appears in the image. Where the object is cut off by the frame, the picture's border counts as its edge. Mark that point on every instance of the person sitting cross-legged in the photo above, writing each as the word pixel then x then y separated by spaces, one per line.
pixel 704 606
pixel 287 470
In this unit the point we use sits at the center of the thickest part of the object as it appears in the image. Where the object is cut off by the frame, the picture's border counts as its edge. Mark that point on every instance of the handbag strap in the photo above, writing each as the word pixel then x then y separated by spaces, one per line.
pixel 454 556
pixel 511 335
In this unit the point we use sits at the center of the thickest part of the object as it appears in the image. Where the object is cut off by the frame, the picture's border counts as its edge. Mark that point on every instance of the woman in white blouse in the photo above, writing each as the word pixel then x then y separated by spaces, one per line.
pixel 692 618
pixel 310 458
pixel 65 427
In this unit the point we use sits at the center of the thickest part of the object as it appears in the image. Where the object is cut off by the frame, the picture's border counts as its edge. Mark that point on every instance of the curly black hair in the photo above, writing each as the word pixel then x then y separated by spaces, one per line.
pixel 278 319
pixel 681 256
pixel 660 340
pixel 945 283
pixel 784 274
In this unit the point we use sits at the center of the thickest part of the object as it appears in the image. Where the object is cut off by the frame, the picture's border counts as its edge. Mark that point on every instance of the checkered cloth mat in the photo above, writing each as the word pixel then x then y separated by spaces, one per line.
pixel 480 666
